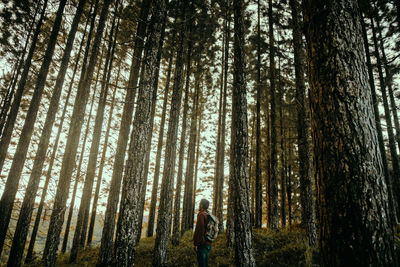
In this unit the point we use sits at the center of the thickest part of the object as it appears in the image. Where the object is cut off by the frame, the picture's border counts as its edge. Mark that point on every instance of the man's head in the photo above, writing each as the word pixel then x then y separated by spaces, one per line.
pixel 204 203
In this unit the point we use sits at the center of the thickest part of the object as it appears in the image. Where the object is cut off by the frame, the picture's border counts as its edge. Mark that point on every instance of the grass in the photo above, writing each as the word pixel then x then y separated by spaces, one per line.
pixel 288 247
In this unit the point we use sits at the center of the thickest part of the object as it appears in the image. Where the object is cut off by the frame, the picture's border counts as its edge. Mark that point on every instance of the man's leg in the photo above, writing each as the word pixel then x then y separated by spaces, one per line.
pixel 202 255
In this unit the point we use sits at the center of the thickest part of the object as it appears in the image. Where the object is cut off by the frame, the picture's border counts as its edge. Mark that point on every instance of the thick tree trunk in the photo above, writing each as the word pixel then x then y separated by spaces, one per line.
pixel 177 203
pixel 24 219
pixel 57 216
pixel 388 178
pixel 129 215
pixel 106 247
pixel 306 185
pixel 274 222
pixel 9 125
pixel 166 195
pixel 239 147
pixel 11 186
pixel 352 194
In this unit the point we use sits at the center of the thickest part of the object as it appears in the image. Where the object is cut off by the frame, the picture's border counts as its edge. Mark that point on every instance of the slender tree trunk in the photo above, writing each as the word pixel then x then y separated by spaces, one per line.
pixel 166 195
pixel 57 216
pixel 105 254
pixel 153 201
pixel 29 255
pixel 188 205
pixel 388 118
pixel 11 186
pixel 24 219
pixel 282 158
pixel 239 147
pixel 306 190
pixel 351 191
pixel 9 125
pixel 177 203
pixel 289 186
pixel 196 160
pixel 251 171
pixel 258 186
pixel 5 107
pixel 128 223
pixel 274 223
pixel 83 214
pixel 388 178
pixel 78 173
pixel 102 163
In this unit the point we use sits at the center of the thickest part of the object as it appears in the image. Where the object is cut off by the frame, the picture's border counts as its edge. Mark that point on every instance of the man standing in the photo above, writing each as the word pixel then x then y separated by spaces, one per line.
pixel 201 244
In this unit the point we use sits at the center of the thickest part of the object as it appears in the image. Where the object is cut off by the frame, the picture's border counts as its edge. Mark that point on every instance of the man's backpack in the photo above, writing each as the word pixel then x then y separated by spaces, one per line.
pixel 212 228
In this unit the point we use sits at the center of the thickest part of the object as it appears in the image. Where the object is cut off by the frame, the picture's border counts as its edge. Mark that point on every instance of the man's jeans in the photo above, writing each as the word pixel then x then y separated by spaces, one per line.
pixel 202 255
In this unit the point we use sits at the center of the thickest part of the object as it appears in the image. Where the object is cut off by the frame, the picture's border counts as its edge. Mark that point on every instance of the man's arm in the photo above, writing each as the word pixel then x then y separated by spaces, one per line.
pixel 199 231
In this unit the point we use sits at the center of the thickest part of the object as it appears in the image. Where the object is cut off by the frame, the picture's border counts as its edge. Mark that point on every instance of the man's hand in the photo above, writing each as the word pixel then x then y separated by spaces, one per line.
pixel 195 248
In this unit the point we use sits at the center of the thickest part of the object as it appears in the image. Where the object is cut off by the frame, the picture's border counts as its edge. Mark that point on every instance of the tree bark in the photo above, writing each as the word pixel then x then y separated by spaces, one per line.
pixel 128 223
pixel 106 247
pixel 57 216
pixel 352 195
pixel 11 186
pixel 306 185
pixel 239 147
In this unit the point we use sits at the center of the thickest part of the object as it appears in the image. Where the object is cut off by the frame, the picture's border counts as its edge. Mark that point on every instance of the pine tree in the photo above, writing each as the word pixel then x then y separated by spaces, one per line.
pixel 347 159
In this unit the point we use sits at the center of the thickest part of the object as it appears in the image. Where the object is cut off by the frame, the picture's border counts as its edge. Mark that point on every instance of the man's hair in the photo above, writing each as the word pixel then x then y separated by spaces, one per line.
pixel 204 203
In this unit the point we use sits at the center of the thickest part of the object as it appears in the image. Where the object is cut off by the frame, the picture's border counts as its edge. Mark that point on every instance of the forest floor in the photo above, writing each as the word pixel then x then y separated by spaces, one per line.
pixel 288 247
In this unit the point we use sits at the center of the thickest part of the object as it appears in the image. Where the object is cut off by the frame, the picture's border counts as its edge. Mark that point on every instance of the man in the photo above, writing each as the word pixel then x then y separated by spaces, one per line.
pixel 201 244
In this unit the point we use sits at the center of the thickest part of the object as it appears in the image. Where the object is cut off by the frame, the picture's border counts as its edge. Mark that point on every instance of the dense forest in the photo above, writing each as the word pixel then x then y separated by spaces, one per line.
pixel 118 116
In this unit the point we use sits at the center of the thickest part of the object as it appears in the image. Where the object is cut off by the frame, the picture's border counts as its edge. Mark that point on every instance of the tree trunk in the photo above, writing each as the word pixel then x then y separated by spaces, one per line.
pixel 177 203
pixel 352 196
pixel 274 223
pixel 57 216
pixel 388 178
pixel 11 186
pixel 239 147
pixel 83 214
pixel 9 125
pixel 102 163
pixel 106 247
pixel 153 201
pixel 166 195
pixel 258 186
pixel 127 231
pixel 306 185
pixel 289 189
pixel 282 157
pixel 24 219
pixel 388 118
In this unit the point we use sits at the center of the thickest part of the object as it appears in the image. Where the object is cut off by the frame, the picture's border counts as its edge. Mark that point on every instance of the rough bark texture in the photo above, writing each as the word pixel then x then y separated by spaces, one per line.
pixel 11 186
pixel 129 215
pixel 306 185
pixel 239 147
pixel 388 178
pixel 57 216
pixel 351 192
pixel 106 247
pixel 274 222
pixel 24 219
pixel 177 203
pixel 9 125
